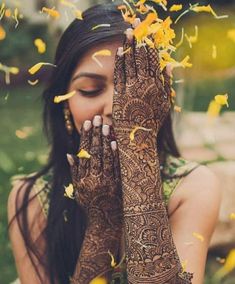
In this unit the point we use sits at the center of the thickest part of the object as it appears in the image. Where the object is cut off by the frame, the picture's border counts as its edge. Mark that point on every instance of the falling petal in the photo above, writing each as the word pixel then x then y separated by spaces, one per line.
pixel 214 51
pixel 34 69
pixel 213 109
pixel 58 99
pixel 69 191
pixel 184 264
pixel 132 133
pixel 51 12
pixel 33 83
pixel 113 263
pixel 222 100
pixel 175 8
pixel 198 236
pixel 207 9
pixel 228 266
pixel 2 33
pixel 16 14
pixel 8 13
pixel 100 26
pixel 103 52
pixel 99 280
pixel 232 216
pixel 177 108
pixel 40 44
pixel 83 154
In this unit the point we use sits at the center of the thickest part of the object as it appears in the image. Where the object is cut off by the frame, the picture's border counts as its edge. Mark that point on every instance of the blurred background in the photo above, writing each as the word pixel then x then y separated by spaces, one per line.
pixel 209 140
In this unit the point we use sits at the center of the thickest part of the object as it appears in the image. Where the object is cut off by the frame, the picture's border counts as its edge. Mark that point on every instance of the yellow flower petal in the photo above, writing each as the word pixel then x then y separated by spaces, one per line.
pixel 34 69
pixel 103 52
pixel 8 13
pixel 222 100
pixel 40 44
pixel 51 12
pixel 14 70
pixel 100 26
pixel 184 264
pixel 198 236
pixel 58 99
pixel 113 263
pixel 83 154
pixel 99 280
pixel 177 108
pixel 132 133
pixel 33 83
pixel 78 14
pixel 175 7
pixel 213 109
pixel 69 191
pixel 231 34
pixel 228 266
pixel 2 33
pixel 192 39
pixel 232 216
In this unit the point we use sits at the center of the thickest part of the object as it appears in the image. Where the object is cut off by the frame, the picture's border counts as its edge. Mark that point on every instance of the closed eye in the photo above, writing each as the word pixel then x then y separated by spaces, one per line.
pixel 90 93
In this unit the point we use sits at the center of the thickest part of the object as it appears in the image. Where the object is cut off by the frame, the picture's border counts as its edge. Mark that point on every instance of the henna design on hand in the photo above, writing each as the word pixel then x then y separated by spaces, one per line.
pixel 142 99
pixel 96 183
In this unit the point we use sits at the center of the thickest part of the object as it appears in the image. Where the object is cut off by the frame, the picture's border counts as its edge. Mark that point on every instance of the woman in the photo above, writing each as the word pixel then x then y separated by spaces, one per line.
pixel 119 179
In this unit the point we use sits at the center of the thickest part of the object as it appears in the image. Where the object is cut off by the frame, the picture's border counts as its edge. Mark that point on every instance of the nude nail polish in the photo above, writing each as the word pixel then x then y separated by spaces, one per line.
pixel 97 120
pixel 105 130
pixel 87 125
pixel 114 145
pixel 70 159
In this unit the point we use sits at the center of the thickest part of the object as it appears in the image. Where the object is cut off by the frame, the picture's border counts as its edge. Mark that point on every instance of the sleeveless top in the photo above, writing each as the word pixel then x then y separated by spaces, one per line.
pixel 171 173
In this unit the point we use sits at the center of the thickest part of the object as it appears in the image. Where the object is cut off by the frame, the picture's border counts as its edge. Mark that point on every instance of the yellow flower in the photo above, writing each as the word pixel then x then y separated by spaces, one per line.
pixel 175 8
pixel 228 266
pixel 103 52
pixel 69 191
pixel 51 12
pixel 58 99
pixel 34 69
pixel 99 280
pixel 198 236
pixel 40 44
pixel 222 100
pixel 78 14
pixel 83 154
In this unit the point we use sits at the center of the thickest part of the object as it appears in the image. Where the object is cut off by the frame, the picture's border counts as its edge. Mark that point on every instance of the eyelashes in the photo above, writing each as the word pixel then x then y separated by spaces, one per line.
pixel 90 93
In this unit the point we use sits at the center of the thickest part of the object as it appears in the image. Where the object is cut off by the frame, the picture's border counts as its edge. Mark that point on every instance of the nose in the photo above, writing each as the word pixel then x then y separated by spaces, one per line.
pixel 108 105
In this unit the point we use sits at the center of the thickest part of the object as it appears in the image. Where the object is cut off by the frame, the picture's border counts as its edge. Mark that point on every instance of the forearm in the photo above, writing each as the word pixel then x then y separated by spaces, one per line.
pixel 151 254
pixel 94 257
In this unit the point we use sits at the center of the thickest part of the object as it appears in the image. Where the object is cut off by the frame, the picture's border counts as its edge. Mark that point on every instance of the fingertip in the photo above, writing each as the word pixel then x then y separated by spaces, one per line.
pixel 70 159
pixel 169 69
pixel 136 23
pixel 114 145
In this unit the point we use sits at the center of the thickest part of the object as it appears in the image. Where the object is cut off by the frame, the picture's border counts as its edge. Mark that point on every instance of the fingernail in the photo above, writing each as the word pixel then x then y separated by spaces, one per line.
pixel 87 125
pixel 169 70
pixel 70 159
pixel 105 130
pixel 97 120
pixel 114 145
pixel 120 51
pixel 136 22
pixel 129 34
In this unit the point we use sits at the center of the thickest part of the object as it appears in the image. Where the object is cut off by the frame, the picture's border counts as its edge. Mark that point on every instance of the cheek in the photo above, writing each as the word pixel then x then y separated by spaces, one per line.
pixel 82 109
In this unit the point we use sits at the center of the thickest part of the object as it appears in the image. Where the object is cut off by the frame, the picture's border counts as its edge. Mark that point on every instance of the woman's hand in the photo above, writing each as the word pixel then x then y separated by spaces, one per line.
pixel 96 181
pixel 141 103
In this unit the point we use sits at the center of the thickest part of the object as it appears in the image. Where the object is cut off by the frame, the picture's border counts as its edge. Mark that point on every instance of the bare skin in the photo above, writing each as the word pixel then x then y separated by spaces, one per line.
pixel 199 188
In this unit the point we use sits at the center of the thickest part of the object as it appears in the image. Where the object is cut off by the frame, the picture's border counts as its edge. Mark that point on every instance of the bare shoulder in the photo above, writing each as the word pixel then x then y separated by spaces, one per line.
pixel 36 223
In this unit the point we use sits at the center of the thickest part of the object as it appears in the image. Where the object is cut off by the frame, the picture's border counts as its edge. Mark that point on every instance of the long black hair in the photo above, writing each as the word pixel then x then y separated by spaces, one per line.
pixel 63 239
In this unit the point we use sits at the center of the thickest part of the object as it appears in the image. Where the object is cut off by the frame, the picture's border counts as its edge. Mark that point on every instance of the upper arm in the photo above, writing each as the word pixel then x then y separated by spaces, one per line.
pixel 23 263
pixel 198 210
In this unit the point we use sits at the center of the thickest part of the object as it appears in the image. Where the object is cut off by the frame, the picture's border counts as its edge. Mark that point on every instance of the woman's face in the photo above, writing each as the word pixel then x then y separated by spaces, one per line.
pixel 94 86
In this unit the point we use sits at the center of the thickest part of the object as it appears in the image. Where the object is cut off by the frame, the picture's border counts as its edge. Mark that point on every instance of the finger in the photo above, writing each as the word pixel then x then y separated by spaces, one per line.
pixel 129 57
pixel 167 75
pixel 116 164
pixel 141 61
pixel 107 152
pixel 96 147
pixel 154 63
pixel 119 73
pixel 85 144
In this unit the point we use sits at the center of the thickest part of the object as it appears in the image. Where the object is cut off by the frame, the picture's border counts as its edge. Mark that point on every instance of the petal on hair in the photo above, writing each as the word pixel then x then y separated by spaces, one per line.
pixel 40 44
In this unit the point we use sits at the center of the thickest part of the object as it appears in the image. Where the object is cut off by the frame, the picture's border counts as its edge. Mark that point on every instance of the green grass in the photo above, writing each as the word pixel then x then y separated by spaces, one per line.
pixel 21 107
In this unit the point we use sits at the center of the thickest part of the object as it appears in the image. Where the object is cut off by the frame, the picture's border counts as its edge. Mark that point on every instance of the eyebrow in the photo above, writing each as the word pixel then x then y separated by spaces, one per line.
pixel 89 75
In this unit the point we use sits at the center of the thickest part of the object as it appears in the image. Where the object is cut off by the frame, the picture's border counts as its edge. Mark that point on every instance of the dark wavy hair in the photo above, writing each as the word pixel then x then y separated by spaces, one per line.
pixel 64 239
